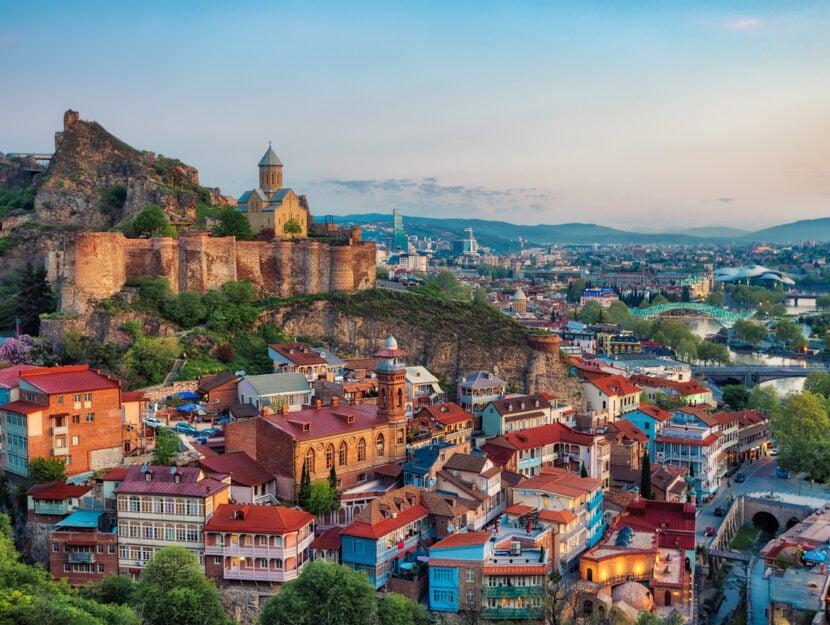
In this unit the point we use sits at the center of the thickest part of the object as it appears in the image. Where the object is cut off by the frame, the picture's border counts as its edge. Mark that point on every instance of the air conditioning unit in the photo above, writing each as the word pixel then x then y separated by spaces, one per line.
pixel 515 548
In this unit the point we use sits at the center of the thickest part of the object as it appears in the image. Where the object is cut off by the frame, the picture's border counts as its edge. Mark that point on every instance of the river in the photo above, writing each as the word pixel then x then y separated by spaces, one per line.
pixel 706 326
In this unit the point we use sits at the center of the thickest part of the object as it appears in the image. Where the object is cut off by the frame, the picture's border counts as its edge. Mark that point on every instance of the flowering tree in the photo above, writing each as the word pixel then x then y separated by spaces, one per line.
pixel 17 350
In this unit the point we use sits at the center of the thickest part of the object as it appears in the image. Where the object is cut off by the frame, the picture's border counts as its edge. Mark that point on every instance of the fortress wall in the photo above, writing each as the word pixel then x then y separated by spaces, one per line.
pixel 342 274
pixel 257 261
pixel 363 265
pixel 284 268
pixel 97 264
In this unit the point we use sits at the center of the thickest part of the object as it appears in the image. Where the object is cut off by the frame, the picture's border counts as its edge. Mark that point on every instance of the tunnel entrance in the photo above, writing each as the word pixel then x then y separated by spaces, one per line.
pixel 766 522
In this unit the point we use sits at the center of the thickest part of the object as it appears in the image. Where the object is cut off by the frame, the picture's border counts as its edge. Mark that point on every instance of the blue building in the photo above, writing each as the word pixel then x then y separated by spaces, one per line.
pixel 650 419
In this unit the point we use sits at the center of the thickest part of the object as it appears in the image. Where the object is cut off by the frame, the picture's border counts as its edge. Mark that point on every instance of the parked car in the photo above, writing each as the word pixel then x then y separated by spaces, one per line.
pixel 185 428
pixel 740 477
pixel 779 472
pixel 720 511
pixel 153 422
pixel 709 531
pixel 773 452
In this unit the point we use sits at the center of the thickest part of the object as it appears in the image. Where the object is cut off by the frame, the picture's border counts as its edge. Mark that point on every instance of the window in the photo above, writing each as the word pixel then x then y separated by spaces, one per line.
pixel 76 418
pixel 361 450
pixel 66 568
pixel 60 443
pixel 60 399
pixel 361 477
pixel 330 456
pixel 78 398
pixel 134 504
pixel 217 559
pixel 100 568
pixel 379 446
pixel 646 425
pixel 343 454
pixel 309 461
pixel 111 549
pixel 471 575
pixel 68 460
pixel 100 548
pixel 90 417
pixel 400 436
pixel 471 598
pixel 88 397
pixel 30 397
pixel 56 547
pixel 75 440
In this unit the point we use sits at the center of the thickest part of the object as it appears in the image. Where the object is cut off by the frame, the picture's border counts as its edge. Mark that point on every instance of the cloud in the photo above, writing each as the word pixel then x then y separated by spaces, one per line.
pixel 725 200
pixel 745 23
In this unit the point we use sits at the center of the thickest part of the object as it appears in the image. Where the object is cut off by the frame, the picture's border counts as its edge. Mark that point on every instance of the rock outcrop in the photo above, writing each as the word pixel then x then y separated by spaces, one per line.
pixel 447 347
pixel 95 180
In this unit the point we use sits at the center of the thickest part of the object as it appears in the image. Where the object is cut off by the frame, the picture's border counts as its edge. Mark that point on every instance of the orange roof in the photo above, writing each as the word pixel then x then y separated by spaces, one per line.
pixel 462 539
pixel 615 385
pixel 558 516
pixel 260 519
pixel 655 412
pixel 518 509
pixel 695 442
pixel 388 524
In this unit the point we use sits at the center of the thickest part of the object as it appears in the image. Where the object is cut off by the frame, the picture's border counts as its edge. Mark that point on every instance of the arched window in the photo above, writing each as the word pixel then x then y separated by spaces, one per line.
pixel 590 574
pixel 379 446
pixel 667 598
pixel 343 454
pixel 361 450
pixel 309 460
pixel 383 398
pixel 330 456
pixel 399 401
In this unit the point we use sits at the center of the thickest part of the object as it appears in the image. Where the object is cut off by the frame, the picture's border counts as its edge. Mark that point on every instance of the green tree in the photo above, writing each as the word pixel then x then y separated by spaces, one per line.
pixel 115 589
pixel 34 297
pixel 292 227
pixel 823 302
pixel 764 399
pixel 790 334
pixel 591 312
pixel 322 498
pixel 735 396
pixel 480 295
pixel 233 223
pixel 150 359
pixel 749 332
pixel 801 427
pixel 583 472
pixel 173 590
pixel 709 352
pixel 447 286
pixel 659 299
pixel 42 470
pixel 575 290
pixel 818 382
pixel 396 609
pixel 152 222
pixel 619 312
pixel 645 477
pixel 323 593
pixel 186 309
pixel 167 445
pixel 153 293
pixel 304 495
pixel 715 298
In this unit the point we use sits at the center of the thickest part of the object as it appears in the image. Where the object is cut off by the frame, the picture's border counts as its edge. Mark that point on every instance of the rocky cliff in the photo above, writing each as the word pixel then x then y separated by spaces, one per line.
pixel 96 180
pixel 451 339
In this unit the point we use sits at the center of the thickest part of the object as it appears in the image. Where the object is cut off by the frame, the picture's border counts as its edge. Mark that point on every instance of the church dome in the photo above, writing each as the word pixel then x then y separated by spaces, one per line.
pixel 634 594
pixel 270 158
pixel 391 342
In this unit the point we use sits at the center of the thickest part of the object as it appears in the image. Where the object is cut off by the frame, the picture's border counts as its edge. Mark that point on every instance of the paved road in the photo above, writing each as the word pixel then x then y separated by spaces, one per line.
pixel 760 478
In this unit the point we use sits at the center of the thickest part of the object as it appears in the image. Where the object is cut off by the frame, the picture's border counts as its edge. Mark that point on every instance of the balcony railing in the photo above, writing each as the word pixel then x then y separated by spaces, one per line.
pixel 254 551
pixel 51 508
pixel 513 613
pixel 60 451
pixel 260 575
pixel 81 557
pixel 513 591
pixel 60 429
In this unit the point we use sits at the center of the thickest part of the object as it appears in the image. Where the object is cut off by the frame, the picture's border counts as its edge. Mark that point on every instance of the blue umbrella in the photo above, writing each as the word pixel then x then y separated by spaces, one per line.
pixel 188 395
pixel 814 556
pixel 188 408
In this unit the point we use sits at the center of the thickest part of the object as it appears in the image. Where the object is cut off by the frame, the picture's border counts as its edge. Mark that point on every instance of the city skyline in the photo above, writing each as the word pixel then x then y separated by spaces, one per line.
pixel 639 115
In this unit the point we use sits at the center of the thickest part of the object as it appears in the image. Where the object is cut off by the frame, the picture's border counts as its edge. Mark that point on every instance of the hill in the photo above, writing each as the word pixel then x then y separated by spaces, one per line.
pixel 803 230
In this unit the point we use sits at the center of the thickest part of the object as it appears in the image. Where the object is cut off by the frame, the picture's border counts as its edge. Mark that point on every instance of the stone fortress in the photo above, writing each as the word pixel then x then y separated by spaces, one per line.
pixel 93 266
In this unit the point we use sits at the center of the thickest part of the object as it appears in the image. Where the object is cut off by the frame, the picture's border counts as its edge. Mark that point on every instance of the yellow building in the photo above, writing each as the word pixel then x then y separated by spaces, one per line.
pixel 269 206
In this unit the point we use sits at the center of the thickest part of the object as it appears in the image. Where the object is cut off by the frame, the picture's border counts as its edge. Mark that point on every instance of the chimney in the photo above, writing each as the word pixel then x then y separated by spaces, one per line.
pixel 284 409
pixel 335 401
pixel 317 404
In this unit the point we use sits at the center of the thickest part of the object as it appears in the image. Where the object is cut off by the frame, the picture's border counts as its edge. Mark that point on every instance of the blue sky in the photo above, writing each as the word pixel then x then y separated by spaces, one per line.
pixel 632 114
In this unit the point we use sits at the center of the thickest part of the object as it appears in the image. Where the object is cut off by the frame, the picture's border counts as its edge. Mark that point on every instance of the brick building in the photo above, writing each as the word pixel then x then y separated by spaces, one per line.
pixel 70 412
pixel 83 547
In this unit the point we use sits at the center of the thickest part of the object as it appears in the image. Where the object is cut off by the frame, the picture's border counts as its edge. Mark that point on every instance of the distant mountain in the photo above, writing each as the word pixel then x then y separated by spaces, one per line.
pixel 504 236
pixel 714 232
pixel 804 230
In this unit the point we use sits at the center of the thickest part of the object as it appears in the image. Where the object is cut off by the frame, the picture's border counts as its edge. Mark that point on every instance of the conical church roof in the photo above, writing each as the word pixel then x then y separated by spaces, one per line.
pixel 270 158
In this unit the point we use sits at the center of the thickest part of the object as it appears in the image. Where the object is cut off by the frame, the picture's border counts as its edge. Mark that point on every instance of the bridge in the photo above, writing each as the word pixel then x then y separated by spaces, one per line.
pixel 721 315
pixel 34 163
pixel 749 375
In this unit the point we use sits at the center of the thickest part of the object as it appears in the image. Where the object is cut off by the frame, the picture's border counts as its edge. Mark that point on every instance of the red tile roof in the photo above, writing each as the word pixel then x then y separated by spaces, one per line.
pixel 519 509
pixel 231 517
pixel 498 454
pixel 299 354
pixel 615 385
pixel 118 474
pixel 536 437
pixel 462 539
pixel 695 442
pixel 57 491
pixel 560 481
pixel 10 376
pixel 558 516
pixel 163 482
pixel 629 430
pixel 655 412
pixel 23 407
pixel 327 421
pixel 388 524
pixel 329 540
pixel 69 379
pixel 129 396
pixel 676 521
pixel 240 466
pixel 209 383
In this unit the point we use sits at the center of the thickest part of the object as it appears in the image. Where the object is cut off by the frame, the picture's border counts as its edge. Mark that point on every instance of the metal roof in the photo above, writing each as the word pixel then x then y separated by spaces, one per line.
pixel 278 383
pixel 270 158
pixel 81 518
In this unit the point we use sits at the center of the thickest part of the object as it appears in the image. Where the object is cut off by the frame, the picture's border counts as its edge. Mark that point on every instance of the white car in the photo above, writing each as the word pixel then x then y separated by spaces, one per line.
pixel 153 422
pixel 774 452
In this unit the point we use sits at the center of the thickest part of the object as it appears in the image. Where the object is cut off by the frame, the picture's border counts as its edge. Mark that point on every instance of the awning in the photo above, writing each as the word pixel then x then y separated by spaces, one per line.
pixel 189 408
pixel 814 556
pixel 188 395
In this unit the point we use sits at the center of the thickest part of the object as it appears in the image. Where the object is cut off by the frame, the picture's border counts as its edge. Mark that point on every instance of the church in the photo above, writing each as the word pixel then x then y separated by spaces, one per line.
pixel 270 207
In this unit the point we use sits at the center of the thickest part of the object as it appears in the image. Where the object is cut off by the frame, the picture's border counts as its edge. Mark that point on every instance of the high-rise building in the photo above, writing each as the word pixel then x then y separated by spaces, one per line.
pixel 467 245
pixel 399 242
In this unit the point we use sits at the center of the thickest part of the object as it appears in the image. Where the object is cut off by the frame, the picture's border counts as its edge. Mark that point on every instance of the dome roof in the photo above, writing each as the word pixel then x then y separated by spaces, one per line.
pixel 391 342
pixel 270 158
pixel 519 294
pixel 634 594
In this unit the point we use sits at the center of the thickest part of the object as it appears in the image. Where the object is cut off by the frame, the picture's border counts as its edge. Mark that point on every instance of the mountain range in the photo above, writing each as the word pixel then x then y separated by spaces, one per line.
pixel 502 236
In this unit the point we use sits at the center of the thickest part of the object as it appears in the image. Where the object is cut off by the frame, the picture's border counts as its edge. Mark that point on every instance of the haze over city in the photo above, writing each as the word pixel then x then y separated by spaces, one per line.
pixel 630 115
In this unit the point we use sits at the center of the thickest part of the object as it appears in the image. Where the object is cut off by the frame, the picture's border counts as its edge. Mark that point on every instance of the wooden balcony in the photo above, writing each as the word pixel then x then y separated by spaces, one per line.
pixel 259 575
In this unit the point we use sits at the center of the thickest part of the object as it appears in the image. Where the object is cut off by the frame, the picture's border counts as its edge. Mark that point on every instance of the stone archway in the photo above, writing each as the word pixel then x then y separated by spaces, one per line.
pixel 792 522
pixel 767 522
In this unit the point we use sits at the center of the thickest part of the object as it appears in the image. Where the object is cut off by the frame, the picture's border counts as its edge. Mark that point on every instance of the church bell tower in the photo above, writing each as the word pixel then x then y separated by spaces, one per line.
pixel 270 171
pixel 392 382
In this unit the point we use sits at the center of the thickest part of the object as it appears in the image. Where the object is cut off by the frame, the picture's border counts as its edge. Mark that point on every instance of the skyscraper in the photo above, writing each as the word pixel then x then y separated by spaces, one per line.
pixel 399 242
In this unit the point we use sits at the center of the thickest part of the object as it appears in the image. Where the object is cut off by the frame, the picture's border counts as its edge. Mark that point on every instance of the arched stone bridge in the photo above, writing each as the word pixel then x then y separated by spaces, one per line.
pixel 721 315
pixel 749 375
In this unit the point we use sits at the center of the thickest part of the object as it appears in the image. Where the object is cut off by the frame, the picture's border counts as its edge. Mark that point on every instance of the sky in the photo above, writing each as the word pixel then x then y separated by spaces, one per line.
pixel 638 115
